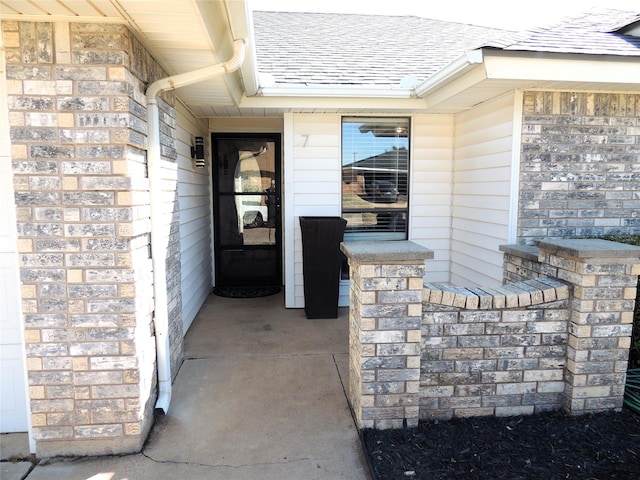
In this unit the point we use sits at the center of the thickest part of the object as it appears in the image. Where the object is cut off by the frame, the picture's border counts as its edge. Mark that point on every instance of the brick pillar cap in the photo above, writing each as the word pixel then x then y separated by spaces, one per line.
pixel 529 252
pixel 385 252
pixel 589 248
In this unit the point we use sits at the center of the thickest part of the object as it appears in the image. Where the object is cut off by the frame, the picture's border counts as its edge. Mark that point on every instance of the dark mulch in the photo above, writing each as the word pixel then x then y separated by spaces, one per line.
pixel 544 446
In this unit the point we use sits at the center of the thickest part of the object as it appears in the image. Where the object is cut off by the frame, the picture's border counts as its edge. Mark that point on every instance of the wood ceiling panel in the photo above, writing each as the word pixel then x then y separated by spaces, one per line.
pixel 61 8
pixel 23 7
pixel 184 61
pixel 158 24
pixel 176 44
pixel 106 7
pixel 89 9
pixel 179 35
pixel 158 7
pixel 53 7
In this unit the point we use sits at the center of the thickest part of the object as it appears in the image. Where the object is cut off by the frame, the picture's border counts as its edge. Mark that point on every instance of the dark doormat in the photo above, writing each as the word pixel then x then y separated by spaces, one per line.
pixel 245 292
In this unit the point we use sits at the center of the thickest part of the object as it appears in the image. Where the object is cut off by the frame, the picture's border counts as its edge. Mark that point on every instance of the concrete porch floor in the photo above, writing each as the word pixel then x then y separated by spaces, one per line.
pixel 260 395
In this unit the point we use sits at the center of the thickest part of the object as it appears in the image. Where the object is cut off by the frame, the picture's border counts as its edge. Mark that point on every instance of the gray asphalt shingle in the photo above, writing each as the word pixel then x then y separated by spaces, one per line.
pixel 322 48
pixel 587 33
pixel 373 50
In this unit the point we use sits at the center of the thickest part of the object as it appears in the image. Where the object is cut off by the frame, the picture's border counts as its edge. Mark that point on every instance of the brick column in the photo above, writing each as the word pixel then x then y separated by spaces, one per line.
pixel 78 139
pixel 604 276
pixel 384 331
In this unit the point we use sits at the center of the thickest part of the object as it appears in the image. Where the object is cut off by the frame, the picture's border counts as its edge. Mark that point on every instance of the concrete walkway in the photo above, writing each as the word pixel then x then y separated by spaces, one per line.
pixel 259 396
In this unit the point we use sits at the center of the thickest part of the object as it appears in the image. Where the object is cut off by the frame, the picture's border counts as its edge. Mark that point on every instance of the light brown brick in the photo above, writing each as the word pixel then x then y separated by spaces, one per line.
pixel 38 419
pixel 69 183
pixel 36 392
pixel 19 151
pixel 132 428
pixel 75 276
pixel 32 336
pixel 80 363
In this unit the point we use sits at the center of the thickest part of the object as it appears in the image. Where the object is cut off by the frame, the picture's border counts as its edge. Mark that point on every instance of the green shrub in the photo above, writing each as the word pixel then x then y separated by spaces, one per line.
pixel 632 385
pixel 634 354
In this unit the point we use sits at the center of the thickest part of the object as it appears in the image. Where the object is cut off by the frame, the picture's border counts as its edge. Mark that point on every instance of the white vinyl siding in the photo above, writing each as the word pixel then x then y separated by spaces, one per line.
pixel 430 190
pixel 14 414
pixel 481 192
pixel 312 150
pixel 460 179
pixel 312 181
pixel 194 199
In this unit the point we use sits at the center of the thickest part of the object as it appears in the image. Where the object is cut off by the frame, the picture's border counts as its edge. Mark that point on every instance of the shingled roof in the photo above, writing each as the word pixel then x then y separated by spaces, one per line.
pixel 594 32
pixel 317 49
pixel 341 49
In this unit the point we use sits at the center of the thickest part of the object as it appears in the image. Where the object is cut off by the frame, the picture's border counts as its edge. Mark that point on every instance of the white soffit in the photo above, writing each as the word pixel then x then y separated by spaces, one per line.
pixel 182 35
pixel 500 72
pixel 59 10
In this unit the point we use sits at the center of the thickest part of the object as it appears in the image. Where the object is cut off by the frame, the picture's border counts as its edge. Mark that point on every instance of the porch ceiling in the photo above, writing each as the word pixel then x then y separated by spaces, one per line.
pixel 182 35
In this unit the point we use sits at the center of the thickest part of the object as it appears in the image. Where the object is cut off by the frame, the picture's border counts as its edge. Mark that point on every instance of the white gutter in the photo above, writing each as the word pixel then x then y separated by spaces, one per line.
pixel 158 239
pixel 453 70
pixel 336 91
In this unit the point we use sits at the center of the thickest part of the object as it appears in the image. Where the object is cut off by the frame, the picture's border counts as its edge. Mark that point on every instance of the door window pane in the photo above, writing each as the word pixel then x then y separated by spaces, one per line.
pixel 248 199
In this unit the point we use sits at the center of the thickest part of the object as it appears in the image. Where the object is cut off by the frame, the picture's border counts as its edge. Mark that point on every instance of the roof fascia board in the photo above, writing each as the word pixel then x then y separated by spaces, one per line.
pixel 443 91
pixel 335 91
pixel 334 103
pixel 242 27
pixel 538 66
pixel 488 64
pixel 217 21
pixel 455 69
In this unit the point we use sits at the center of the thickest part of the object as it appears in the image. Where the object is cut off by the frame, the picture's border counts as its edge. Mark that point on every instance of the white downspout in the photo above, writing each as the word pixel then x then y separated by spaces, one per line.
pixel 158 240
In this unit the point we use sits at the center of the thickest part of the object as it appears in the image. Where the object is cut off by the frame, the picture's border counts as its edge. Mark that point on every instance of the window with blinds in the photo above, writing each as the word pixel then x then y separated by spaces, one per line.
pixel 375 168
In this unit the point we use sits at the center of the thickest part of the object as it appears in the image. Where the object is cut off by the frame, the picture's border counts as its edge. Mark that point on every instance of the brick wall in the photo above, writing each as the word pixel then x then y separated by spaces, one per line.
pixel 521 263
pixel 78 131
pixel 494 361
pixel 579 165
pixel 540 344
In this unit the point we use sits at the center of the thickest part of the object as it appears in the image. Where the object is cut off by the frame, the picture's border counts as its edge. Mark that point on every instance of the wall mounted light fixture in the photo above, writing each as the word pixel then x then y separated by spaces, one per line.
pixel 197 152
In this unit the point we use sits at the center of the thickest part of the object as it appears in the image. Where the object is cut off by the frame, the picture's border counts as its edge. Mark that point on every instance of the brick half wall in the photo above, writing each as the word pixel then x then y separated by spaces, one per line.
pixel 522 348
pixel 501 352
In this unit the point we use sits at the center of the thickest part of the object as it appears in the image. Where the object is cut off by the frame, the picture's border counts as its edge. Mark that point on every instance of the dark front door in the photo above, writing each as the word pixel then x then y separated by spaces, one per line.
pixel 246 206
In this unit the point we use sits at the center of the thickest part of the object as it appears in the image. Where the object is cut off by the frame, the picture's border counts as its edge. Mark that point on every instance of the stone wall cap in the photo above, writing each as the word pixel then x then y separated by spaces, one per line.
pixel 529 252
pixel 381 252
pixel 589 248
pixel 536 291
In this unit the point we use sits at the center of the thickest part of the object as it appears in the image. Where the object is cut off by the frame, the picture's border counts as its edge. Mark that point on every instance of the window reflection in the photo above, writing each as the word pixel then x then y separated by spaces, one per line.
pixel 248 197
pixel 375 160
